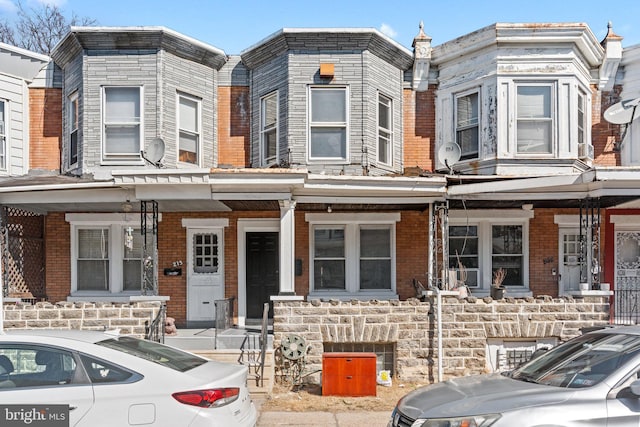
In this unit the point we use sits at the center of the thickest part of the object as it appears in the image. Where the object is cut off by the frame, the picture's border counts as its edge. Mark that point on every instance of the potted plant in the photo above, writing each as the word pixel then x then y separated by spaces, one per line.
pixel 497 289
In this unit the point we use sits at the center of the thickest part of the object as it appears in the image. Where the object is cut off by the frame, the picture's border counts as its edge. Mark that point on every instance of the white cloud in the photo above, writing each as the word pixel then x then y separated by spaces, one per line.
pixel 388 31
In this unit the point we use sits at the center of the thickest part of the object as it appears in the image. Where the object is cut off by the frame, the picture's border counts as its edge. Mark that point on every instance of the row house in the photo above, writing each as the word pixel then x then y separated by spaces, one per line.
pixel 319 165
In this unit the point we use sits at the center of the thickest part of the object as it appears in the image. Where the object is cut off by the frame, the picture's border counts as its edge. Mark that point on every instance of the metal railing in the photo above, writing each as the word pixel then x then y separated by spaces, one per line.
pixel 626 307
pixel 154 330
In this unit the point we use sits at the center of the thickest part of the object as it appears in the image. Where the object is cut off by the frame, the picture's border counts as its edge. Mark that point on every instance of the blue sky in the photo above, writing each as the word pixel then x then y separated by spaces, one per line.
pixel 236 25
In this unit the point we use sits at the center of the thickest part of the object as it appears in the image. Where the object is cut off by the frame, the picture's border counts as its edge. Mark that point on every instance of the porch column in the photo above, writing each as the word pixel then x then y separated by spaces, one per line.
pixel 287 251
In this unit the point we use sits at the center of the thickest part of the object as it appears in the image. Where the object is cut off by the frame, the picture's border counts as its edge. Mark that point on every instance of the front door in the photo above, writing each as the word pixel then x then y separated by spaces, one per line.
pixel 205 274
pixel 569 266
pixel 263 278
pixel 627 276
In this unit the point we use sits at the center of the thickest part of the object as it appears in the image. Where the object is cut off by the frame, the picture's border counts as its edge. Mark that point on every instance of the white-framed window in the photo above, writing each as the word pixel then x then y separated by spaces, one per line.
pixel 328 118
pixel 189 129
pixel 467 122
pixel 4 130
pixel 269 129
pixel 122 123
pixel 106 254
pixel 385 130
pixel 485 241
pixel 352 255
pixel 534 118
pixel 73 128
pixel 582 118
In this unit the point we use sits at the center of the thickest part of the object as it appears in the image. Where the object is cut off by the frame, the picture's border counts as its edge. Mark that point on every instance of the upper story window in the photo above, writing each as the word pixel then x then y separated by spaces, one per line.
pixel 269 128
pixel 189 129
pixel 385 126
pixel 73 129
pixel 122 121
pixel 534 119
pixel 467 124
pixel 328 134
pixel 3 135
pixel 582 108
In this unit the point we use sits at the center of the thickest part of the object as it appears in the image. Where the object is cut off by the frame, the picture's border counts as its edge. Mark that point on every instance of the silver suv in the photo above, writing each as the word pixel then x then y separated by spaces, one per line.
pixel 591 380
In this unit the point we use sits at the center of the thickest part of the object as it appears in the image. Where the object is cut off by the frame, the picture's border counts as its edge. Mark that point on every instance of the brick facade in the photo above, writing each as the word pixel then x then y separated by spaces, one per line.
pixel 419 129
pixel 234 126
pixel 45 129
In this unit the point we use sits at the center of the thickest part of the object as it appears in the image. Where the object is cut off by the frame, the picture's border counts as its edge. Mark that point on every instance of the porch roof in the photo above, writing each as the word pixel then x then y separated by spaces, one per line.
pixel 613 186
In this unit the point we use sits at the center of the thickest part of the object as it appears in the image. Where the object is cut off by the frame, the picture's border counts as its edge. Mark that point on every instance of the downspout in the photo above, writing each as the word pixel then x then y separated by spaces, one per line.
pixel 433 286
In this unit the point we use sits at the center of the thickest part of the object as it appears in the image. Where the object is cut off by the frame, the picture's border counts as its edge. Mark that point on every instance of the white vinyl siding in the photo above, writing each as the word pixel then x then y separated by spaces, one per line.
pixel 4 129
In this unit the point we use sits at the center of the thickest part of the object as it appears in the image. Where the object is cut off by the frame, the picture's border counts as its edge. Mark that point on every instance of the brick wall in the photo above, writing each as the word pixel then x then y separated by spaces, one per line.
pixel 129 318
pixel 603 133
pixel 419 129
pixel 45 128
pixel 410 325
pixel 57 257
pixel 234 126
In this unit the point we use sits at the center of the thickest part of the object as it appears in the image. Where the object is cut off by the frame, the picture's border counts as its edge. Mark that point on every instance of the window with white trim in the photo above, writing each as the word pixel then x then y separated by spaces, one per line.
pixel 328 112
pixel 73 128
pixel 385 129
pixel 269 128
pixel 189 136
pixel 534 118
pixel 4 129
pixel 106 254
pixel 467 124
pixel 352 256
pixel 122 123
pixel 582 119
pixel 483 245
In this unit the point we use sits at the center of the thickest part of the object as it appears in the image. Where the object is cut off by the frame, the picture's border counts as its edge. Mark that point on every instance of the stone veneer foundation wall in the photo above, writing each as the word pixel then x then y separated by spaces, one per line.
pixel 410 325
pixel 130 318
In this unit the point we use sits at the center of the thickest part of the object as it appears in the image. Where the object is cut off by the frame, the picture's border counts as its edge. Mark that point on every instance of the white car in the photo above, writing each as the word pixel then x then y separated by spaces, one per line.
pixel 87 378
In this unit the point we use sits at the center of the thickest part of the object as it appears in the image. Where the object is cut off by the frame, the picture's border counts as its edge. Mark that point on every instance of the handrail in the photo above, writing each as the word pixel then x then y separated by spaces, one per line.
pixel 155 330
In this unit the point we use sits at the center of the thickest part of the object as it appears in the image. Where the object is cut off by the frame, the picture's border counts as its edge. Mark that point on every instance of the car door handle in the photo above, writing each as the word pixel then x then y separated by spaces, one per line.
pixel 71 408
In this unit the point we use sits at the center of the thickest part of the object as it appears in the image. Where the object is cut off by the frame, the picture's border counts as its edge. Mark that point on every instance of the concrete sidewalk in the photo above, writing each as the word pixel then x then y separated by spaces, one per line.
pixel 323 419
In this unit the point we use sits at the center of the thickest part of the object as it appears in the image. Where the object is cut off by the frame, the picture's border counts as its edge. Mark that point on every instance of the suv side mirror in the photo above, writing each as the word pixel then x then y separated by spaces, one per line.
pixel 635 388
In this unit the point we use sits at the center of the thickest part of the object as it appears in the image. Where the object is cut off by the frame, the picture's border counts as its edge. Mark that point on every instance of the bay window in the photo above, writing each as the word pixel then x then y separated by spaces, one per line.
pixel 73 129
pixel 269 129
pixel 534 114
pixel 189 129
pixel 122 123
pixel 351 256
pixel 328 135
pixel 385 126
pixel 467 125
pixel 3 135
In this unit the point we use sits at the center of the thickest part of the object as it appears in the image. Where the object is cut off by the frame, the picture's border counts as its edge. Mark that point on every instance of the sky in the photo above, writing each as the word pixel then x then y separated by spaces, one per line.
pixel 237 25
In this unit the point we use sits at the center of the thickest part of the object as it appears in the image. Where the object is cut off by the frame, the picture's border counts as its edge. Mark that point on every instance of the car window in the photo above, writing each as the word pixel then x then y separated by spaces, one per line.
pixel 100 371
pixel 27 366
pixel 158 353
pixel 581 362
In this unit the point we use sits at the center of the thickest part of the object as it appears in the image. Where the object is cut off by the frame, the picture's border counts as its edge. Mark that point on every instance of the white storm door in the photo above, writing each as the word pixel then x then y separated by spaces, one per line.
pixel 205 272
pixel 569 265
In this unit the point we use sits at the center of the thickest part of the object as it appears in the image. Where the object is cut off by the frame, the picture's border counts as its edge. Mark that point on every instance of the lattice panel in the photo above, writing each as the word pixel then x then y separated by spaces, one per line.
pixel 23 253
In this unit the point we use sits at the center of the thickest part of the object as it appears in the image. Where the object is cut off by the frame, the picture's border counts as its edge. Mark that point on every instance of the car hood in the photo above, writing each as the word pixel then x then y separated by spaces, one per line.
pixel 474 395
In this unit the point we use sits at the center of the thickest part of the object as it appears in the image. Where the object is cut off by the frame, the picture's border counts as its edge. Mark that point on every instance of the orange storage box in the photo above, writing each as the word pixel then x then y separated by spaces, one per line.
pixel 349 374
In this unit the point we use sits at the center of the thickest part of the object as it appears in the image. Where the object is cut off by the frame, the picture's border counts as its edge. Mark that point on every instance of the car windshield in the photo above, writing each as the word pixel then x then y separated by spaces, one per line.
pixel 157 353
pixel 581 362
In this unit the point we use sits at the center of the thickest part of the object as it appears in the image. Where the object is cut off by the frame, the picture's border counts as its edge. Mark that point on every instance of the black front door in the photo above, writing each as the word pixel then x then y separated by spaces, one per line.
pixel 263 279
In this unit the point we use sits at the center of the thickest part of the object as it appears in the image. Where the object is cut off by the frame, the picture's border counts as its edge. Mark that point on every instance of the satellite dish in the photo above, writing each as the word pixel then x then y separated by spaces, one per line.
pixel 155 151
pixel 622 112
pixel 449 154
